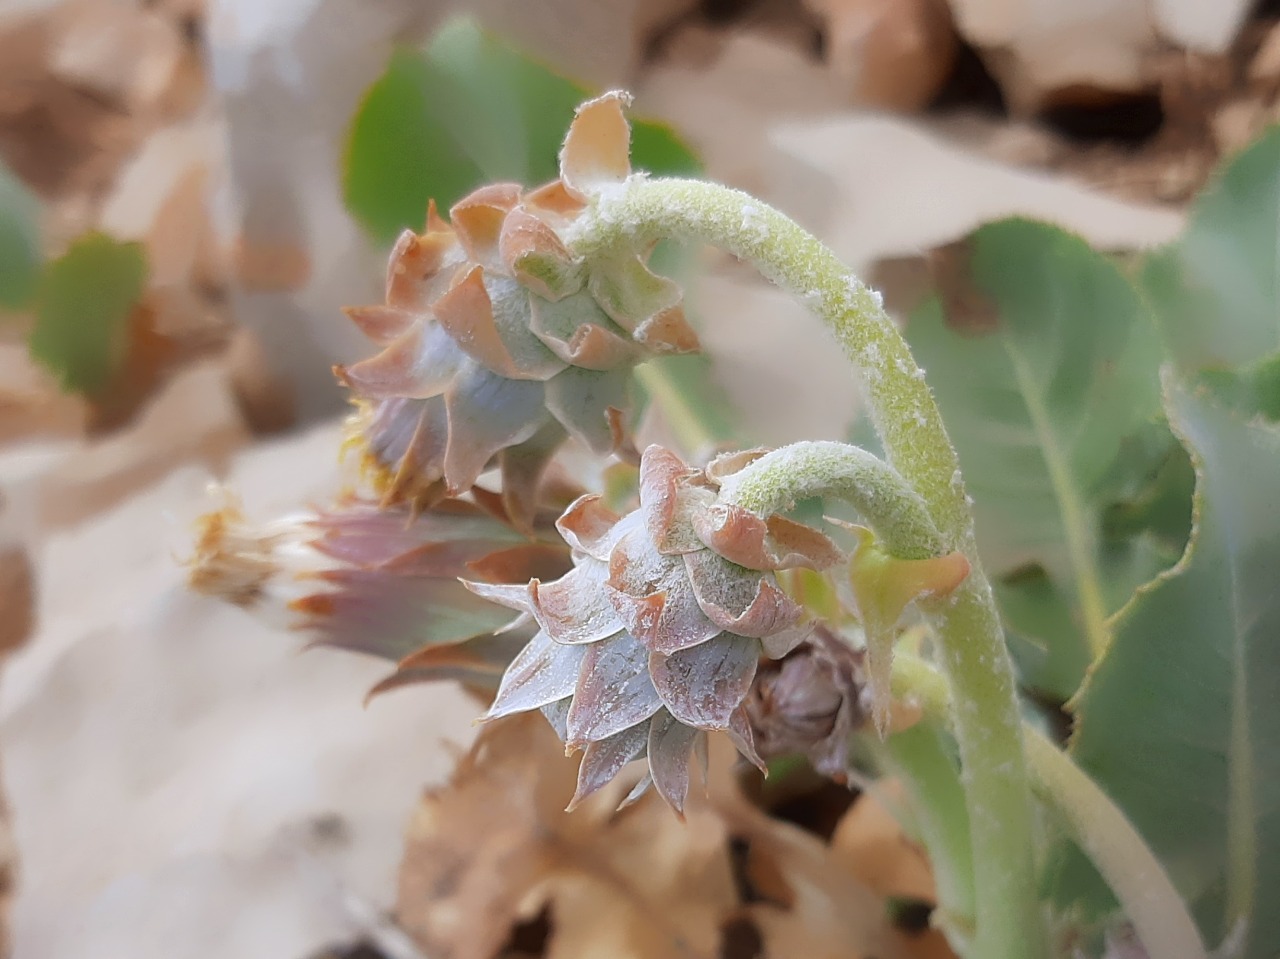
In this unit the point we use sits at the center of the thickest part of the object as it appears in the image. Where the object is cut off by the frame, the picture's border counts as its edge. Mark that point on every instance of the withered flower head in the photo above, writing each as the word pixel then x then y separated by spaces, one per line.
pixel 811 702
pixel 653 638
pixel 379 581
pixel 497 342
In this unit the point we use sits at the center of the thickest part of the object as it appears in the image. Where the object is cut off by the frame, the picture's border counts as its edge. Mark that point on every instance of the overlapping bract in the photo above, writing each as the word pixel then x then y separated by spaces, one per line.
pixel 497 342
pixel 382 581
pixel 654 636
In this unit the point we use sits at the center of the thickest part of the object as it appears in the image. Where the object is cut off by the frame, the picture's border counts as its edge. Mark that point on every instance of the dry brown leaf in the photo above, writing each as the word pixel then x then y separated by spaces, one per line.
pixel 494 849
pixel 123 53
pixel 270 266
pixel 494 867
pixel 168 330
pixel 31 405
pixel 193 418
pixel 802 900
pixel 17 597
pixel 894 54
pixel 869 843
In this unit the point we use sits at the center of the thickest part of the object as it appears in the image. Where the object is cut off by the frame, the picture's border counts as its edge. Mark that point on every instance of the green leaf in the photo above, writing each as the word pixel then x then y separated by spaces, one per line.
pixel 465 111
pixel 1253 390
pixel 400 153
pixel 1056 370
pixel 19 242
pixel 1217 290
pixel 82 310
pixel 1180 721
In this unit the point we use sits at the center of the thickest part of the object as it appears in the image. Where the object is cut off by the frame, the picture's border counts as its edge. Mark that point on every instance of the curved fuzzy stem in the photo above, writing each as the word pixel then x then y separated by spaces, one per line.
pixel 1144 890
pixel 639 211
pixel 775 481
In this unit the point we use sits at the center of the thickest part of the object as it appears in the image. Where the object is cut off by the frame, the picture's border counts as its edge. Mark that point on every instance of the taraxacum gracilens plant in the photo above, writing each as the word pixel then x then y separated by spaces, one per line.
pixel 705 604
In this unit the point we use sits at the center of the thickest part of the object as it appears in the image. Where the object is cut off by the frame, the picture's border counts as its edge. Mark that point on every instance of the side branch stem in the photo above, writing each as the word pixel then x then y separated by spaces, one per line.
pixel 1131 869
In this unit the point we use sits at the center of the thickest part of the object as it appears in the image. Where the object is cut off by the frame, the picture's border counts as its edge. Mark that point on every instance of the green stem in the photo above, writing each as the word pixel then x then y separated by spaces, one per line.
pixel 932 781
pixel 641 211
pixel 690 428
pixel 1147 895
pixel 1164 927
pixel 775 481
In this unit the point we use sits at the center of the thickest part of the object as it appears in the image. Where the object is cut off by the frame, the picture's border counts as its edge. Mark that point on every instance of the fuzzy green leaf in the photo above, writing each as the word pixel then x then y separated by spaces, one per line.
pixel 19 242
pixel 82 310
pixel 1056 368
pixel 1180 721
pixel 1217 290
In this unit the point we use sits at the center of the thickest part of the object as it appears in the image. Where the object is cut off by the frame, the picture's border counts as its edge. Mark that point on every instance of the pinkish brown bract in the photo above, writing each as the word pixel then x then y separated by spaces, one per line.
pixel 654 637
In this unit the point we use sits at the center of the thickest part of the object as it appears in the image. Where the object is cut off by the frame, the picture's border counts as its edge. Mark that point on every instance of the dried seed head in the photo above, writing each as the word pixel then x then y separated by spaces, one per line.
pixel 497 343
pixel 654 637
pixel 381 581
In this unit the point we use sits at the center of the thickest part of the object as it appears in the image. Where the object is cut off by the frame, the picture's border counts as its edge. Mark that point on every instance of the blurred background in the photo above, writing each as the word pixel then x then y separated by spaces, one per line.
pixel 190 190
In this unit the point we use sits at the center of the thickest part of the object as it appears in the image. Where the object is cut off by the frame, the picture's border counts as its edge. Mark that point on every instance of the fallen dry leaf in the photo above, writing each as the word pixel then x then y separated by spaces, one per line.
pixel 17 597
pixel 270 266
pixel 495 867
pixel 892 54
pixel 193 418
pixel 31 405
pixel 494 849
pixel 870 844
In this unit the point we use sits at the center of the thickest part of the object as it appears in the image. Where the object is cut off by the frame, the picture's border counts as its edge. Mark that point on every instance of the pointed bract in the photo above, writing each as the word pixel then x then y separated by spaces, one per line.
pixel 597 149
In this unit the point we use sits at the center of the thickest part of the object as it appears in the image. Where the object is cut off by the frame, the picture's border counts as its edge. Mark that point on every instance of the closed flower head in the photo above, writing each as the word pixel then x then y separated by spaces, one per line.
pixel 497 344
pixel 654 637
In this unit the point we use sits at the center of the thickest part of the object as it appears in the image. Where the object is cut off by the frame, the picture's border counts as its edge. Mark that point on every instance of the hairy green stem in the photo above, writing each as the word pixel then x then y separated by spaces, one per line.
pixel 1147 895
pixel 917 757
pixel 875 489
pixel 640 211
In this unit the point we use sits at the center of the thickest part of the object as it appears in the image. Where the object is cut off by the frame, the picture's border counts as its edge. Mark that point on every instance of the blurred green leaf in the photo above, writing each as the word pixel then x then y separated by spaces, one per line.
pixel 1253 390
pixel 19 242
pixel 1180 720
pixel 82 310
pixel 1217 290
pixel 468 110
pixel 400 153
pixel 1056 368
pixel 1152 483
